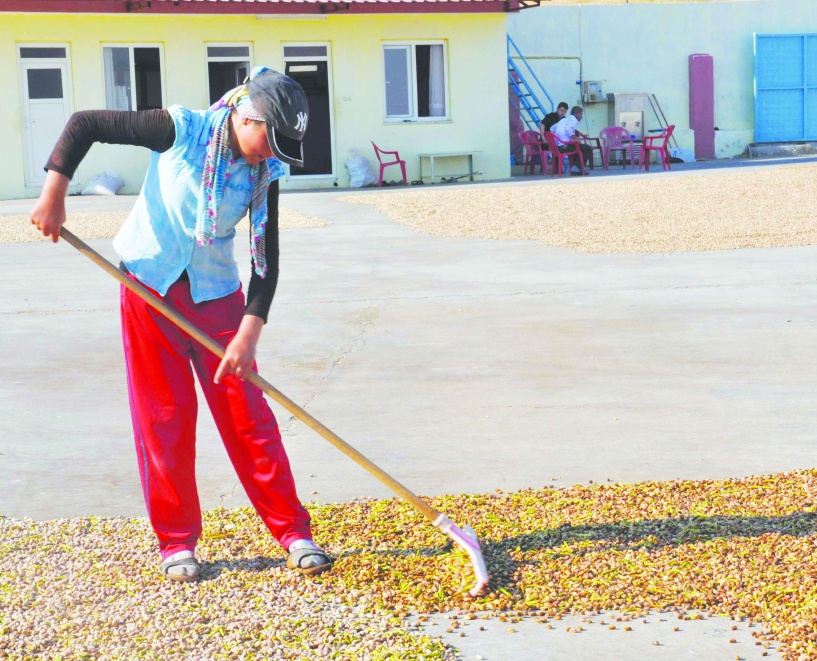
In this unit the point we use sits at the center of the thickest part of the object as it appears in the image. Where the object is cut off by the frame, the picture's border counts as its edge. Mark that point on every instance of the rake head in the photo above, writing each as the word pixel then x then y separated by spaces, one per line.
pixel 467 540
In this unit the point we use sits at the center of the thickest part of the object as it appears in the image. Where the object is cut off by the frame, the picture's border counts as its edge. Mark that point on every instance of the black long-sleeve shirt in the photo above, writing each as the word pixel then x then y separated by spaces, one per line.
pixel 550 120
pixel 155 130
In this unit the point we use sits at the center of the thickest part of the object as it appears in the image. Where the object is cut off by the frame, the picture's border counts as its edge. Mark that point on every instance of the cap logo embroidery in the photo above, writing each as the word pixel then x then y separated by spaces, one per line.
pixel 301 125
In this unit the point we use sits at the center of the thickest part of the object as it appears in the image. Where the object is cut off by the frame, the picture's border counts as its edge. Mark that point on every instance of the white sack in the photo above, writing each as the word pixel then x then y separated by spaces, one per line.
pixel 360 172
pixel 107 183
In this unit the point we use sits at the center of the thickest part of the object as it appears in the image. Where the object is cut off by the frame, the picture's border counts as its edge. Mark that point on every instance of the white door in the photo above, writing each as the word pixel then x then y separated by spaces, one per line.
pixel 46 109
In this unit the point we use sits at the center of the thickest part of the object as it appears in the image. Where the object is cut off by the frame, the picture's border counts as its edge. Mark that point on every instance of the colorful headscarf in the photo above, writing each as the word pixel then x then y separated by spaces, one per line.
pixel 216 172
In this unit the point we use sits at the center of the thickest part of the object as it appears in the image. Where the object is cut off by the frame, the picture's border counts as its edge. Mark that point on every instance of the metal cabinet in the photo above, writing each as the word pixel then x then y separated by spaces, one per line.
pixel 630 111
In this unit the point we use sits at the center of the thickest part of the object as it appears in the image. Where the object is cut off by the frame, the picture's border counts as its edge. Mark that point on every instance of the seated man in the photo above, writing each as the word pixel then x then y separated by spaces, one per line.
pixel 566 130
pixel 549 122
pixel 552 118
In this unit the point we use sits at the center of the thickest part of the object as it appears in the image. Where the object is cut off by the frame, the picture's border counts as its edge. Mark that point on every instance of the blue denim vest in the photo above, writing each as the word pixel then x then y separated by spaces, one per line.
pixel 157 241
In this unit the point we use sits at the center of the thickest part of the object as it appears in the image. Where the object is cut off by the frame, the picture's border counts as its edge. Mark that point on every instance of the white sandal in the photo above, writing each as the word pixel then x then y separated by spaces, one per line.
pixel 181 567
pixel 309 561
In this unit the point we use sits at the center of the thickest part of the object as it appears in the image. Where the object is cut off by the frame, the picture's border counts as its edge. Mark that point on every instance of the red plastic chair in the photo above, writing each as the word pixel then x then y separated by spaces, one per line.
pixel 616 138
pixel 385 164
pixel 557 156
pixel 533 148
pixel 657 143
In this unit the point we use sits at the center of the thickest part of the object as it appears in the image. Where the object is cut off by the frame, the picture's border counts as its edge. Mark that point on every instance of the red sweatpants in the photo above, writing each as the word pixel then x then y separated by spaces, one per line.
pixel 158 357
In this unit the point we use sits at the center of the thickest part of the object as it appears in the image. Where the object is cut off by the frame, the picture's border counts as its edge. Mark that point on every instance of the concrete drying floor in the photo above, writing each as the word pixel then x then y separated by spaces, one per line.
pixel 459 365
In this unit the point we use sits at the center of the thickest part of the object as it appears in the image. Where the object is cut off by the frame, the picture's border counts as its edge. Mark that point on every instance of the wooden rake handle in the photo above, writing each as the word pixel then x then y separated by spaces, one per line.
pixel 253 377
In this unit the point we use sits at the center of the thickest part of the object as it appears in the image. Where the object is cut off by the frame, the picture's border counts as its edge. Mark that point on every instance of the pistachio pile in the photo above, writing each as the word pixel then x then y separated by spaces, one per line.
pixel 647 213
pixel 90 588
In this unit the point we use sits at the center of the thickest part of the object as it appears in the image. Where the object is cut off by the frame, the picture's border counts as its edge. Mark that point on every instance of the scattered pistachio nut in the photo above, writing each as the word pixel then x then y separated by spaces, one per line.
pixel 642 548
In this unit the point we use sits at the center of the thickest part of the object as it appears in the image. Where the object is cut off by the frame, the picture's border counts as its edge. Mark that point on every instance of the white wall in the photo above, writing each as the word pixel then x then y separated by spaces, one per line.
pixel 645 48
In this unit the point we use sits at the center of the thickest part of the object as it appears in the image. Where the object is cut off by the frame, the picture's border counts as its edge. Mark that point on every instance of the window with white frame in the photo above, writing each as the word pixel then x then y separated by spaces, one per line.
pixel 227 67
pixel 415 76
pixel 133 77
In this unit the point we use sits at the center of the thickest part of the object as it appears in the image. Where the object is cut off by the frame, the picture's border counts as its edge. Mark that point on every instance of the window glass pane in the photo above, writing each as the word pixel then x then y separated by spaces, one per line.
pixel 436 81
pixel 228 51
pixel 33 53
pixel 147 69
pixel 44 84
pixel 398 81
pixel 117 78
pixel 302 68
pixel 429 65
pixel 304 51
pixel 422 65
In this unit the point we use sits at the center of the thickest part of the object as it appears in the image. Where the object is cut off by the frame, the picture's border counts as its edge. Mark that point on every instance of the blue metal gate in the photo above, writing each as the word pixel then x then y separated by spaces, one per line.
pixel 785 87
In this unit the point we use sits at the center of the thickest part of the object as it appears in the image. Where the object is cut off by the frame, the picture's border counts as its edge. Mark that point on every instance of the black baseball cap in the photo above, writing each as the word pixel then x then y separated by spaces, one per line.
pixel 281 101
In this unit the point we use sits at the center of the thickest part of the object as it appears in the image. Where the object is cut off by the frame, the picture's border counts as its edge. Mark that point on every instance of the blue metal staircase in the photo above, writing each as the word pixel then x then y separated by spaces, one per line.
pixel 525 89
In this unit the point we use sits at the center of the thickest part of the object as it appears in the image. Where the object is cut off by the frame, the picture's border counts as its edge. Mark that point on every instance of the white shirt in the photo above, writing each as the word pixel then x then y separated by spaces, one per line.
pixel 564 129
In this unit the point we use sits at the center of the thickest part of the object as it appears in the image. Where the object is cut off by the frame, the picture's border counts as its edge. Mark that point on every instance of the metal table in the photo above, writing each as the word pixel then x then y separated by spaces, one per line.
pixel 450 154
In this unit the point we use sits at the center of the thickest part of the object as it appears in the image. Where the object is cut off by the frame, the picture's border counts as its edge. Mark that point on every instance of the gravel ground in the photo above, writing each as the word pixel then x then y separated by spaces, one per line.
pixel 18 229
pixel 746 548
pixel 721 210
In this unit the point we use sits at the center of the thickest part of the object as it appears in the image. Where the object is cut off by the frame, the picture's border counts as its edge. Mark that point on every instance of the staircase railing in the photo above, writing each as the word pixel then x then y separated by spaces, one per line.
pixel 523 92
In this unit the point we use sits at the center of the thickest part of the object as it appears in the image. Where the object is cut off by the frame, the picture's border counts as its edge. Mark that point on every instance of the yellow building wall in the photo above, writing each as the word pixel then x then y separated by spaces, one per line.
pixel 476 78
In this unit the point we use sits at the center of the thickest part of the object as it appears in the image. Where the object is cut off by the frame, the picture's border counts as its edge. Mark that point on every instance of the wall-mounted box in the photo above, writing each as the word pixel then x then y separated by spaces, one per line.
pixel 591 92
